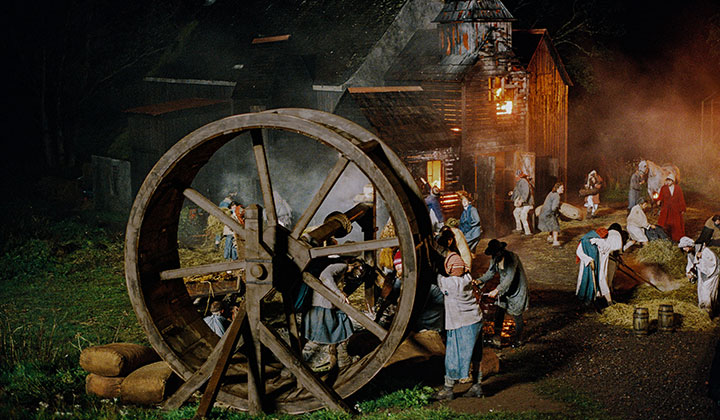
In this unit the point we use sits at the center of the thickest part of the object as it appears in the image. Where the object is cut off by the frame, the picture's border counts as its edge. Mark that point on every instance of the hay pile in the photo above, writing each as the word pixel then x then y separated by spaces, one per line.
pixel 665 254
pixel 682 295
pixel 190 257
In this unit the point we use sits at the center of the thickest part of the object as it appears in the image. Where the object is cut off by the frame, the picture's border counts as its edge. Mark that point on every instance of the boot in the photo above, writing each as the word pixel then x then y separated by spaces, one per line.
pixel 343 358
pixel 333 350
pixel 445 394
pixel 475 391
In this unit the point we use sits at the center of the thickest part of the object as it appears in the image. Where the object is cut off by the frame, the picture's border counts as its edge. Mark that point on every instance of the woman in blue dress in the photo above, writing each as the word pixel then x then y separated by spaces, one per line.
pixel 470 223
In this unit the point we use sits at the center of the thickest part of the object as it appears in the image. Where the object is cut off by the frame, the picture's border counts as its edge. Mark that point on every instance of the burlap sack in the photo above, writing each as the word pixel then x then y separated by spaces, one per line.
pixel 149 385
pixel 103 386
pixel 116 359
pixel 418 347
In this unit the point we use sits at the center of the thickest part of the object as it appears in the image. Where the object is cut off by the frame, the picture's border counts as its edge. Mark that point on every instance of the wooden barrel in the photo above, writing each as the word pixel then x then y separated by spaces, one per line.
pixel 641 321
pixel 666 318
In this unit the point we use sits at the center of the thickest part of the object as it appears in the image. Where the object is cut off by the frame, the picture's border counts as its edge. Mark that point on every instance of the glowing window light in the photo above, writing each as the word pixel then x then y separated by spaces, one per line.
pixel 504 108
pixel 455 129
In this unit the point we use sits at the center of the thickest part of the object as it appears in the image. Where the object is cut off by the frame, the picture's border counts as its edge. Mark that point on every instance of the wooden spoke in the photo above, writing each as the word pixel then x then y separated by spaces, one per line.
pixel 315 284
pixel 319 197
pixel 353 247
pixel 211 208
pixel 219 355
pixel 307 379
pixel 264 174
pixel 201 270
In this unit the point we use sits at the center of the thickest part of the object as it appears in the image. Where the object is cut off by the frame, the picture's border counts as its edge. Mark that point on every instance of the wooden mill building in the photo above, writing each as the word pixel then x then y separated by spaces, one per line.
pixel 463 97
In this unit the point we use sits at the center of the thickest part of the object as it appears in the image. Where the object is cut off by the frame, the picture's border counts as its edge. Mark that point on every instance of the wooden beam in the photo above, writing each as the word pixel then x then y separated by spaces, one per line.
pixel 211 208
pixel 220 365
pixel 319 197
pixel 315 284
pixel 264 174
pixel 351 248
pixel 201 270
pixel 201 376
pixel 307 379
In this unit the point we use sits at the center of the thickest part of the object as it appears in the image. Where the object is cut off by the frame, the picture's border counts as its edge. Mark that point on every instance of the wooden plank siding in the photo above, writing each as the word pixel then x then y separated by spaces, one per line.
pixel 547 109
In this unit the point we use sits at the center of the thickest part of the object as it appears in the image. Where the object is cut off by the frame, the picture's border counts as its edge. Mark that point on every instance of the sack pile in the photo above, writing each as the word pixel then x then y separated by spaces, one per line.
pixel 130 372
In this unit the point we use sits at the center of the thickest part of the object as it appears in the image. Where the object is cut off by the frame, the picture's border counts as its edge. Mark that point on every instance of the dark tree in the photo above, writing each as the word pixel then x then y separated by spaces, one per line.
pixel 67 51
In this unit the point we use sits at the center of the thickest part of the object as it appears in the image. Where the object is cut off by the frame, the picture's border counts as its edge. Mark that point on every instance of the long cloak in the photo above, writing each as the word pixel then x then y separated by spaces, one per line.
pixel 587 252
pixel 548 220
pixel 671 212
pixel 606 271
pixel 470 226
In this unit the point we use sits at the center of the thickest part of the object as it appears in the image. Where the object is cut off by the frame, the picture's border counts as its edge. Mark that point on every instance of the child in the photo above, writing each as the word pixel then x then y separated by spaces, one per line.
pixel 463 322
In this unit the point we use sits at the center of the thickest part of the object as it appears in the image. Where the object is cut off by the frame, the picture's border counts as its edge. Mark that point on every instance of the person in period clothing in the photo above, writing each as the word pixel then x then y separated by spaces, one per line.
pixel 435 209
pixel 463 322
pixel 523 201
pixel 637 182
pixel 324 324
pixel 216 321
pixel 512 291
pixel 588 256
pixel 238 213
pixel 548 220
pixel 672 208
pixel 224 204
pixel 639 230
pixel 610 245
pixel 710 234
pixel 460 241
pixel 432 315
pixel 470 223
pixel 593 183
pixel 702 266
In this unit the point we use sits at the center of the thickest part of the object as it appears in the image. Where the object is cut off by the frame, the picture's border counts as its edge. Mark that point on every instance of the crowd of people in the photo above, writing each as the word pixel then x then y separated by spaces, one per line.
pixel 453 304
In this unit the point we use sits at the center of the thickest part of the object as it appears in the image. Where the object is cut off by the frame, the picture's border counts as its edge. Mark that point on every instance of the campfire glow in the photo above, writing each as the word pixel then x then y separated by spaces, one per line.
pixel 508 328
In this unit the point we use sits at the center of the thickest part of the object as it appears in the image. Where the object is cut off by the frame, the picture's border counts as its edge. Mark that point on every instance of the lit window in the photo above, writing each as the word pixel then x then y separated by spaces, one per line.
pixel 502 93
pixel 434 173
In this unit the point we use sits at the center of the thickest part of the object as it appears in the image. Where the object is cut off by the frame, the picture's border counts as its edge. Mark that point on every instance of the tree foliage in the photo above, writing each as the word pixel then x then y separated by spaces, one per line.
pixel 70 50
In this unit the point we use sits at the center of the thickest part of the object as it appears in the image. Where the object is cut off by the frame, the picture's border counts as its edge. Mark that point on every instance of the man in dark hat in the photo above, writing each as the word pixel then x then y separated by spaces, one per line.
pixel 511 293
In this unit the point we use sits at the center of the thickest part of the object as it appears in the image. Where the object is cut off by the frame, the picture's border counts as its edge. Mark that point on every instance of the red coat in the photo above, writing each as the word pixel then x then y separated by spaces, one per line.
pixel 672 208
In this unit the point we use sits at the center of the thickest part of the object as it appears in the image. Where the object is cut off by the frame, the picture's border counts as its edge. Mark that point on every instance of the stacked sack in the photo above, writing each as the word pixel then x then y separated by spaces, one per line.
pixel 130 372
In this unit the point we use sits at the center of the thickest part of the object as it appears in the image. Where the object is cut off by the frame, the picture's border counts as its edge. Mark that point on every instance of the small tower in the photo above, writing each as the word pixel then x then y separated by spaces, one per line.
pixel 473 27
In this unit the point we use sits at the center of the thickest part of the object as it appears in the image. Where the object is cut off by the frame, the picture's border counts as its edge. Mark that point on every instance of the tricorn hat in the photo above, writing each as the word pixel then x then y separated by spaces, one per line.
pixel 494 247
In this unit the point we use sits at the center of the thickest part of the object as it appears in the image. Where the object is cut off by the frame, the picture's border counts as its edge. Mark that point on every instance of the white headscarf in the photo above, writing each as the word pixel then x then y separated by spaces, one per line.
pixel 686 242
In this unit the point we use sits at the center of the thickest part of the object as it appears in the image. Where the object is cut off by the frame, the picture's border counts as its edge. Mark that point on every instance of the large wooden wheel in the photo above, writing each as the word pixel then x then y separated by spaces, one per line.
pixel 275 258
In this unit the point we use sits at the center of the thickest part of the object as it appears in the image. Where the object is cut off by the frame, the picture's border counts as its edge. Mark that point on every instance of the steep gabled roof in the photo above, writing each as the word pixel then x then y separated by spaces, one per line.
pixel 527 41
pixel 403 116
pixel 474 11
pixel 339 34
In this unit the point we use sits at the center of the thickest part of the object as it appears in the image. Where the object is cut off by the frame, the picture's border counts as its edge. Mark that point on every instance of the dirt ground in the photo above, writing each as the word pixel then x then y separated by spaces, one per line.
pixel 661 376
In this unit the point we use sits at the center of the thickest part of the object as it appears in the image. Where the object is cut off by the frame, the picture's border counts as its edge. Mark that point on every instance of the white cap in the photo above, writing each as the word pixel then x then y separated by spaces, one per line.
pixel 686 242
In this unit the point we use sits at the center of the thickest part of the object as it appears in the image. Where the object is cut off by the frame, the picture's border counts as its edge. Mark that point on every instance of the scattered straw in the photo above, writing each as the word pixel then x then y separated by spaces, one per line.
pixel 688 316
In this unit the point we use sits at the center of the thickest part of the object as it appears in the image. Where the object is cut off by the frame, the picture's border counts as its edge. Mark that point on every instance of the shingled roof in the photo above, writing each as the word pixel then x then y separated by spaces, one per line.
pixel 474 11
pixel 338 34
